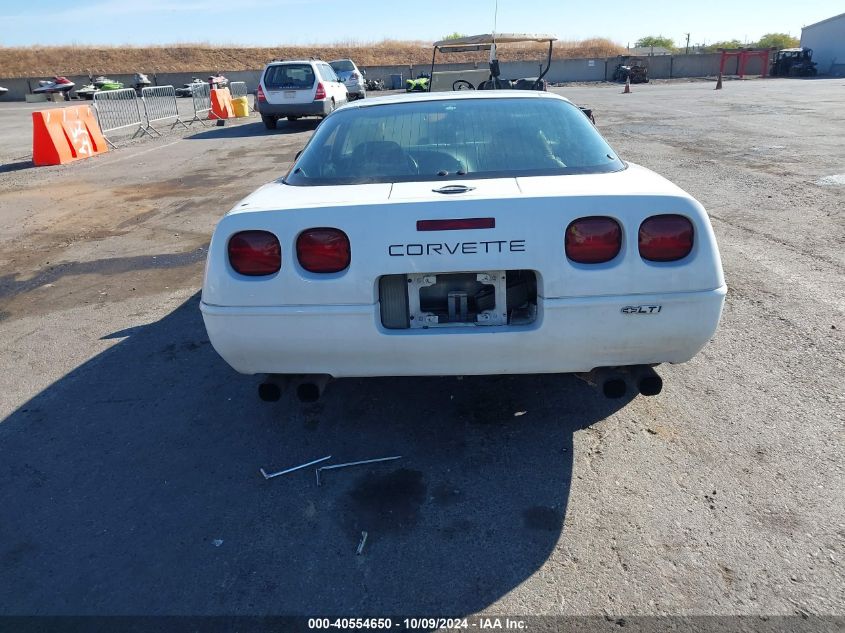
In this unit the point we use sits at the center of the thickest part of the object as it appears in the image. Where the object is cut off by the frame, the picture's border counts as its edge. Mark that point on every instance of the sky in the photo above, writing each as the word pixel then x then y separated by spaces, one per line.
pixel 281 22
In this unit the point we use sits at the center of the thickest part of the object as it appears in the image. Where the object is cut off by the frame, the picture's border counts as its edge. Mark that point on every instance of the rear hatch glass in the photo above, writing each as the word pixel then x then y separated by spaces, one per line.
pixel 289 77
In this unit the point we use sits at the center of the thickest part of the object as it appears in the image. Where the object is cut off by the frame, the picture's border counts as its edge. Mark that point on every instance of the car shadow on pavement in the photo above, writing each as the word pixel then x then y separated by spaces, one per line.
pixel 132 486
pixel 16 166
pixel 246 130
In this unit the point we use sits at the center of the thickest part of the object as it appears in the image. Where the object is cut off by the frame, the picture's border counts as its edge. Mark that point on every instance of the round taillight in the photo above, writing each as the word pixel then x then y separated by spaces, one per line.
pixel 593 240
pixel 255 253
pixel 666 238
pixel 323 250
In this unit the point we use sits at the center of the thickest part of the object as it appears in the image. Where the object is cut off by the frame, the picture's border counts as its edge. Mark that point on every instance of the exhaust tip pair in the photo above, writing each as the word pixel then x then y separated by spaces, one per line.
pixel 615 385
pixel 309 387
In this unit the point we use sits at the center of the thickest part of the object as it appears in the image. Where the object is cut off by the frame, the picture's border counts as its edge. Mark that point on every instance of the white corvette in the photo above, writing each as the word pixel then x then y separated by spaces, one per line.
pixel 456 234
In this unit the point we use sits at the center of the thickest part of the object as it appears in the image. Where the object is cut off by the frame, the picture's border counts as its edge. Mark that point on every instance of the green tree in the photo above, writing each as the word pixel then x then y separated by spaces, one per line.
pixel 715 46
pixel 453 36
pixel 777 40
pixel 656 40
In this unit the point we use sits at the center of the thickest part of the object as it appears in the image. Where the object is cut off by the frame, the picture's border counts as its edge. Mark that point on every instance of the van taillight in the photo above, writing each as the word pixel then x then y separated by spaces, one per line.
pixel 323 250
pixel 593 240
pixel 255 253
pixel 666 238
pixel 321 92
pixel 260 95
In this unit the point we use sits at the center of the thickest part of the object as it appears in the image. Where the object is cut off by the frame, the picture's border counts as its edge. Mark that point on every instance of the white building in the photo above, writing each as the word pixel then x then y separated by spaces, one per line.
pixel 827 39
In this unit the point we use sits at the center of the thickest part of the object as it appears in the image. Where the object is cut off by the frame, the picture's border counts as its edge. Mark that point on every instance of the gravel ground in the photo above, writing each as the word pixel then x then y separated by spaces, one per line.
pixel 131 451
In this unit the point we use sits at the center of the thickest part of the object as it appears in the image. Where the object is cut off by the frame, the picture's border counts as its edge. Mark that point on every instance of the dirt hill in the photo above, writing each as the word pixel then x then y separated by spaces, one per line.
pixel 37 61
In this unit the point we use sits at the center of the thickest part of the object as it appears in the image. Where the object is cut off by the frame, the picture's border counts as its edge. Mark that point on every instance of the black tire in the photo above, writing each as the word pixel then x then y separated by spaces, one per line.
pixel 269 122
pixel 293 118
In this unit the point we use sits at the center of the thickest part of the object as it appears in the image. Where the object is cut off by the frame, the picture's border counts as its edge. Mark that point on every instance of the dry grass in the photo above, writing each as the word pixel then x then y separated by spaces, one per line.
pixel 40 61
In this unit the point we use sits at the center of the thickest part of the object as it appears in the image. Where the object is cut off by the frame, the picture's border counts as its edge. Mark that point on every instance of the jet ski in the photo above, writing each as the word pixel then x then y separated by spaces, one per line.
pixel 57 84
pixel 140 81
pixel 96 85
pixel 187 90
pixel 218 81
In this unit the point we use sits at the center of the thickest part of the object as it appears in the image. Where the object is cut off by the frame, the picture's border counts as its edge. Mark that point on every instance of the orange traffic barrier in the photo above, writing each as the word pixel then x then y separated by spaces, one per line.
pixel 627 86
pixel 63 135
pixel 221 104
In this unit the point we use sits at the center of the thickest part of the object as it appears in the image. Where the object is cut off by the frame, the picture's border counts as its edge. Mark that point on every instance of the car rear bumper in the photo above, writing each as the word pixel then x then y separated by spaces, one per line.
pixel 314 108
pixel 569 335
pixel 354 88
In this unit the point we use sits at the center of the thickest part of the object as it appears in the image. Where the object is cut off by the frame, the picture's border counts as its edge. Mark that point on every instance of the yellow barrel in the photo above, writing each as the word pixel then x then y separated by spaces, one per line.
pixel 241 106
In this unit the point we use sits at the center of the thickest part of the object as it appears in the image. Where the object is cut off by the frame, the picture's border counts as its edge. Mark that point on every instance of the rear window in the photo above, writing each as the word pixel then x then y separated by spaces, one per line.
pixel 453 138
pixel 342 65
pixel 290 76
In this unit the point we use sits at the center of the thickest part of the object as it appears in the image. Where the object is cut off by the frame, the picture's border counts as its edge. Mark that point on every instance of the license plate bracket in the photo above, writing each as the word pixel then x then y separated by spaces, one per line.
pixel 457 299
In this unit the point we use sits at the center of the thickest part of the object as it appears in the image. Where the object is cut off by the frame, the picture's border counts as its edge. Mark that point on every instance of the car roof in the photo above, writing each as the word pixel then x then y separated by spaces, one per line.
pixel 411 97
pixel 279 62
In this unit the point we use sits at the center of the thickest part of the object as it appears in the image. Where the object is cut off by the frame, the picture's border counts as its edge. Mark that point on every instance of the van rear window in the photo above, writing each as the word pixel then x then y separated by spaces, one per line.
pixel 289 76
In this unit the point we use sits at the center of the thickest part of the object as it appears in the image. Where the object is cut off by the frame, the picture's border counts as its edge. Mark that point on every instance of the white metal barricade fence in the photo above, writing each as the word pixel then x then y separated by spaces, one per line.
pixel 238 89
pixel 201 96
pixel 118 110
pixel 160 105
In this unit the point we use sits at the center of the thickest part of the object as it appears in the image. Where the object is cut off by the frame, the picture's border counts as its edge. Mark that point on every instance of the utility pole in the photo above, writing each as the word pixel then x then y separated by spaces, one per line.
pixel 687 49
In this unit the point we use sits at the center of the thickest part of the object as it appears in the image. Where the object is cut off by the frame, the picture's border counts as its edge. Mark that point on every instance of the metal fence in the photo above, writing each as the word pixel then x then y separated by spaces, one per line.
pixel 160 105
pixel 118 110
pixel 201 96
pixel 238 89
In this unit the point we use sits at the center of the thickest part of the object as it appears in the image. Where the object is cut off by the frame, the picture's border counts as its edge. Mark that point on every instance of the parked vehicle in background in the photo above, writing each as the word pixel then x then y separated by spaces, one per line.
pixel 140 81
pixel 469 80
pixel 794 62
pixel 56 84
pixel 187 90
pixel 3 91
pixel 631 68
pixel 218 81
pixel 420 84
pixel 461 80
pixel 97 85
pixel 352 78
pixel 296 89
pixel 374 84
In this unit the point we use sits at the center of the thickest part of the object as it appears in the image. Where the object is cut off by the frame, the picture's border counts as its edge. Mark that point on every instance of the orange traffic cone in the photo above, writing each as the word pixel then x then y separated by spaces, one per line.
pixel 719 82
pixel 627 86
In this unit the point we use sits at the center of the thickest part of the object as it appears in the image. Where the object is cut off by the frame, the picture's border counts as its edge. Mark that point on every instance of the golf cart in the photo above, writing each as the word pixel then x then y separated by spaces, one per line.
pixel 489 79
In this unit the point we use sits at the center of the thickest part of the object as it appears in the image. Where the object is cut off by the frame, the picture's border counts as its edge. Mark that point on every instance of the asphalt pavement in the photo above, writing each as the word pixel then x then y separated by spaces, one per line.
pixel 130 451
